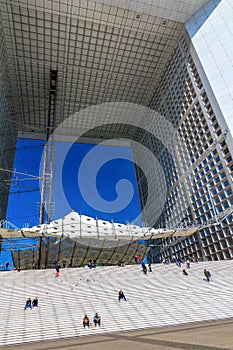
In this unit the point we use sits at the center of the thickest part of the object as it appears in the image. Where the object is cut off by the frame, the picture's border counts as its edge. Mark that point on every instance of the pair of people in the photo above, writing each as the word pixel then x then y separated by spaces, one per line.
pixel 31 303
pixel 91 263
pixel 96 320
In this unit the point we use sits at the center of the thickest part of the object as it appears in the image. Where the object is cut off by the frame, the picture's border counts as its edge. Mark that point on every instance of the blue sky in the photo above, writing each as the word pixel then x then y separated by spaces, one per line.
pixel 23 205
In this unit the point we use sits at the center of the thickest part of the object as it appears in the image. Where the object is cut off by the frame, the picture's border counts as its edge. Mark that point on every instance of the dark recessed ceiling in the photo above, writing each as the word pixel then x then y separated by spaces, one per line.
pixel 102 53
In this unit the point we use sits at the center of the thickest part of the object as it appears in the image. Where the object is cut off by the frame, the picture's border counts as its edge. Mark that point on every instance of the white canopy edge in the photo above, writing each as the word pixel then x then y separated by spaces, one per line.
pixel 75 225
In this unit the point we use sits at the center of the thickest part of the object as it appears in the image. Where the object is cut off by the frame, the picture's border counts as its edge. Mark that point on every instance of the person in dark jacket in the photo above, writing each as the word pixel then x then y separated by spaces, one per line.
pixel 121 295
pixel 144 268
pixel 35 302
pixel 86 321
pixel 207 274
pixel 28 304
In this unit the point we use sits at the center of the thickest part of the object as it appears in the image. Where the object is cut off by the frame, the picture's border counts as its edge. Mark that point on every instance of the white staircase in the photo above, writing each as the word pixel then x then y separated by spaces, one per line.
pixel 162 297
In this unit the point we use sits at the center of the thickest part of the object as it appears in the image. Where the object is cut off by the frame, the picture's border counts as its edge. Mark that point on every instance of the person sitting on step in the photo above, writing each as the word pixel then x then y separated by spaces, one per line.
pixel 121 295
pixel 28 304
pixel 86 321
pixel 35 302
pixel 96 319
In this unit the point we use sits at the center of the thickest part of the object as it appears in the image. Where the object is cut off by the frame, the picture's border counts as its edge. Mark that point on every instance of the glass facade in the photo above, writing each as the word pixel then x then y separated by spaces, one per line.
pixel 212 44
pixel 8 128
pixel 201 189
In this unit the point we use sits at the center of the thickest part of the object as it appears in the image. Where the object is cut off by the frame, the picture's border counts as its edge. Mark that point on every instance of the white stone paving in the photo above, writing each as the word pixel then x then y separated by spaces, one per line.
pixel 163 297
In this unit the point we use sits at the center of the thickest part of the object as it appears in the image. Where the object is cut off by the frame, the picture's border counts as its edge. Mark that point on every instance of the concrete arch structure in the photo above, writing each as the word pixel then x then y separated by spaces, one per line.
pixel 169 64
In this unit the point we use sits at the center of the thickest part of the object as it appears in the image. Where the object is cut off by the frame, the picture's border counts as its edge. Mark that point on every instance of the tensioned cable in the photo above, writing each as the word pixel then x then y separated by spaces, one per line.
pixel 17 172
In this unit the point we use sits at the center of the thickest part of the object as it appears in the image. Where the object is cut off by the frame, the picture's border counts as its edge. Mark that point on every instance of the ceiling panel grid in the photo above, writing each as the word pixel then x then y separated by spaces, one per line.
pixel 104 51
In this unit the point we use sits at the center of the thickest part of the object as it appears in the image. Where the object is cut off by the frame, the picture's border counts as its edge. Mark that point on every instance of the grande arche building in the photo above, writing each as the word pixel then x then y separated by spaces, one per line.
pixel 153 74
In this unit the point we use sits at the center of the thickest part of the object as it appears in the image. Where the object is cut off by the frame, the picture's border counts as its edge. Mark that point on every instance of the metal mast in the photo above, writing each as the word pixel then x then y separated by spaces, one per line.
pixel 47 175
